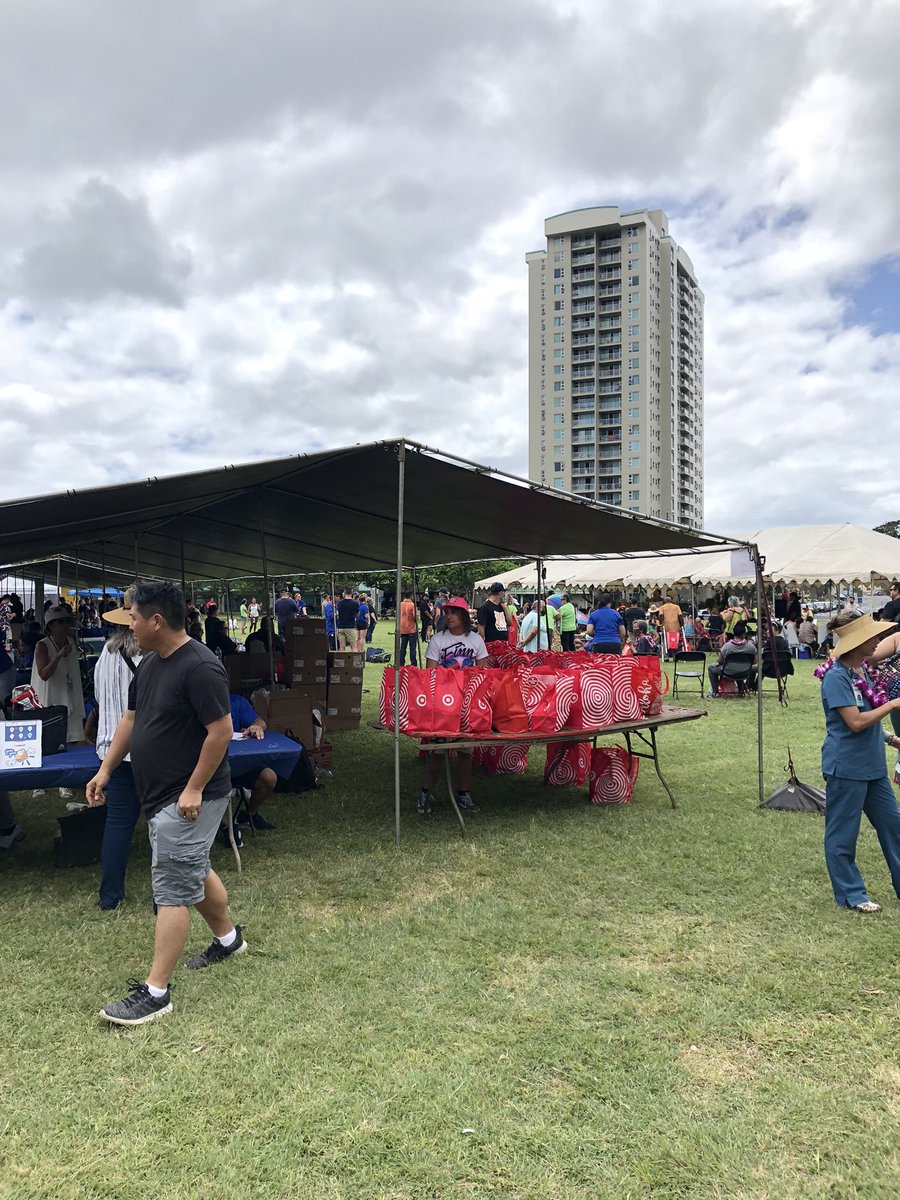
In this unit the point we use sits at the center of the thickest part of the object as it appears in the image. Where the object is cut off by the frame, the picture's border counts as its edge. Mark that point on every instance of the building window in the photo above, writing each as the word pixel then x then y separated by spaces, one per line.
pixel 634 495
pixel 558 321
pixel 559 353
pixel 559 370
pixel 634 281
pixel 633 446
pixel 559 435
pixel 559 466
pixel 559 337
pixel 632 231
pixel 634 412
pixel 558 256
pixel 559 305
pixel 633 364
pixel 634 397
pixel 559 289
pixel 558 385
pixel 634 331
pixel 634 347
pixel 634 380
pixel 559 272
pixel 559 241
pixel 558 401
pixel 634 462
pixel 559 418
pixel 633 315
pixel 633 430
pixel 559 481
pixel 633 479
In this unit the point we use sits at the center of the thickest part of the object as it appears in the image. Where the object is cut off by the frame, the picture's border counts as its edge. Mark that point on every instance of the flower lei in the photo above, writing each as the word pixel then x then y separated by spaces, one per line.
pixel 874 695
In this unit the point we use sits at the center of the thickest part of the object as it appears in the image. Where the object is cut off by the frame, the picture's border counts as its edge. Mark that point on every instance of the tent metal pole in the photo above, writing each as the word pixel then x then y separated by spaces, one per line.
pixel 333 616
pixel 58 579
pixel 181 551
pixel 540 595
pixel 759 695
pixel 265 567
pixel 401 483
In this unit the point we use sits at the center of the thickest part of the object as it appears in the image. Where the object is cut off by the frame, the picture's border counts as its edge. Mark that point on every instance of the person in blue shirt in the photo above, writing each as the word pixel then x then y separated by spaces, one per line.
pixel 261 784
pixel 605 629
pixel 362 623
pixel 328 612
pixel 853 761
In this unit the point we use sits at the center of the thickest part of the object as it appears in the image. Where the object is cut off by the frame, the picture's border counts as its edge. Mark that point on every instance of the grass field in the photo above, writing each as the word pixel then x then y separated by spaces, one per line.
pixel 576 1002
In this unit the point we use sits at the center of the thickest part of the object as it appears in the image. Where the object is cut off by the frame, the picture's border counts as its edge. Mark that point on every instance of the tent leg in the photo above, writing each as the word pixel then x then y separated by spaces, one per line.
pixel 265 567
pixel 58 579
pixel 401 483
pixel 759 695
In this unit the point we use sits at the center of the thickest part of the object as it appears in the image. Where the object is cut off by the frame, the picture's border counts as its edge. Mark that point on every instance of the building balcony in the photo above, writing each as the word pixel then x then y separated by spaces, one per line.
pixel 582 290
pixel 583 306
pixel 582 243
pixel 583 258
pixel 583 323
pixel 581 356
pixel 610 322
pixel 582 339
pixel 610 256
pixel 582 389
pixel 609 306
pixel 583 373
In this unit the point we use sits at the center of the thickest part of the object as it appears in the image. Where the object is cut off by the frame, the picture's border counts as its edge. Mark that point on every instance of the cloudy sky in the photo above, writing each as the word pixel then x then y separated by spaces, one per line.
pixel 242 228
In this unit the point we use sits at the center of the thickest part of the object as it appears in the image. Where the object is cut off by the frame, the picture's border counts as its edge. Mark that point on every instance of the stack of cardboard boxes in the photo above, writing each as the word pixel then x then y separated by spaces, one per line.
pixel 345 680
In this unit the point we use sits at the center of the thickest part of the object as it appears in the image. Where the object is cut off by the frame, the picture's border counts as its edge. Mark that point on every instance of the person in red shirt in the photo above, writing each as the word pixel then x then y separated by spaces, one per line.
pixel 408 630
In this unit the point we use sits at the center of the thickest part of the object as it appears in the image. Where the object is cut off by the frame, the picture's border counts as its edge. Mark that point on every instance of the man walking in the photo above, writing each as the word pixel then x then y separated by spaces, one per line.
pixel 177 728
pixel 408 631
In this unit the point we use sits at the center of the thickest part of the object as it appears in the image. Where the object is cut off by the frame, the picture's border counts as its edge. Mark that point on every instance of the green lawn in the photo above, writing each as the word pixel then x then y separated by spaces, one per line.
pixel 576 1002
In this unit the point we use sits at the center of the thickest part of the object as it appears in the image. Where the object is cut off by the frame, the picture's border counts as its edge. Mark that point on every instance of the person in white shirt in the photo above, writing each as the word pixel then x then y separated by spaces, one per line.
pixel 535 632
pixel 457 645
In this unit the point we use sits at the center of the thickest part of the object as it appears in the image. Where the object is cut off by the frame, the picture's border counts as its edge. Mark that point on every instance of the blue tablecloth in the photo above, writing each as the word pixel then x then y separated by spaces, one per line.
pixel 80 763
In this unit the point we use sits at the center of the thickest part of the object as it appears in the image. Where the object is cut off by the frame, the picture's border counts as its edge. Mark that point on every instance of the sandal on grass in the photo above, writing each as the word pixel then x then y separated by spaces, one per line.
pixel 866 907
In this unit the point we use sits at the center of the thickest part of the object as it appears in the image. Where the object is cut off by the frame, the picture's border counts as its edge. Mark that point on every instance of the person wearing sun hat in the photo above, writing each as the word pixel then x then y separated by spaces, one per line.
pixel 853 759
pixel 115 667
pixel 56 674
pixel 456 646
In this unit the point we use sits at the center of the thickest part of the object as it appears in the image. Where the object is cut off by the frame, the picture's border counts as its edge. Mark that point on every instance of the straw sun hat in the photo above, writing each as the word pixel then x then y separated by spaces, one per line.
pixel 852 635
pixel 120 616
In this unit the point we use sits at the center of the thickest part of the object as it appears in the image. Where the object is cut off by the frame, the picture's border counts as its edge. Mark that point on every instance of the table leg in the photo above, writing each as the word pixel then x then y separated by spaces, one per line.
pixel 658 771
pixel 452 793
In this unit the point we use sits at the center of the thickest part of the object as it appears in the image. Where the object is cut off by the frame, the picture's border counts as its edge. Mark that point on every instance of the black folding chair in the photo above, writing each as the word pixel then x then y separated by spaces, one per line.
pixel 690 659
pixel 740 666
pixel 784 662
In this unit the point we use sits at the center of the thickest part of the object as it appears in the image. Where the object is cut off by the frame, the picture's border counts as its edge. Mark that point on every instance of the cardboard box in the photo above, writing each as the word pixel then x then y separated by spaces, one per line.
pixel 351 677
pixel 345 660
pixel 315 680
pixel 291 713
pixel 322 758
pixel 307 658
pixel 344 709
pixel 305 627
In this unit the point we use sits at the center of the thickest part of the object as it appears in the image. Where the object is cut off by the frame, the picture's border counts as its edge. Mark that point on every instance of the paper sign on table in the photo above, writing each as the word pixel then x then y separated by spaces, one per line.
pixel 21 745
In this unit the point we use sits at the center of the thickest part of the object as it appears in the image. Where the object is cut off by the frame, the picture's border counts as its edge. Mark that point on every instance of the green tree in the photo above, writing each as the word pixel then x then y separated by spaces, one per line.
pixel 891 528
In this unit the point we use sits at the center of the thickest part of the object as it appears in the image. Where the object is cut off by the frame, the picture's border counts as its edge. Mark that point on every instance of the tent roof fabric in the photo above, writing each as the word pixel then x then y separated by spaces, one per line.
pixel 336 510
pixel 795 554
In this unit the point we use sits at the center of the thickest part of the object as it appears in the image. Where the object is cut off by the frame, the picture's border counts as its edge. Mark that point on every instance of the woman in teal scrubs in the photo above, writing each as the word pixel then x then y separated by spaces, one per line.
pixel 853 761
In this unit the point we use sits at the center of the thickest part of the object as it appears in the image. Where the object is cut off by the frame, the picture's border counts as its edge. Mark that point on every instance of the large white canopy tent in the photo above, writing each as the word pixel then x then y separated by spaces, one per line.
pixel 796 555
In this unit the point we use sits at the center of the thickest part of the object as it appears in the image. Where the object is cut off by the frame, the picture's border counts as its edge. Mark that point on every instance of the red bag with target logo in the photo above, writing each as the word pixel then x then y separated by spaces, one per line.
pixel 476 714
pixel 626 706
pixel 650 684
pixel 567 764
pixel 508 708
pixel 592 706
pixel 612 775
pixel 416 700
pixel 448 685
pixel 539 697
pixel 510 758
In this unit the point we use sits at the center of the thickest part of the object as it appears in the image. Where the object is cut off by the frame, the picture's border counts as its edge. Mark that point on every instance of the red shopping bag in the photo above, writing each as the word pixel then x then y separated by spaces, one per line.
pixel 447 698
pixel 674 640
pixel 507 706
pixel 612 775
pixel 475 715
pixel 650 684
pixel 539 696
pixel 510 758
pixel 592 705
pixel 626 706
pixel 567 764
pixel 416 699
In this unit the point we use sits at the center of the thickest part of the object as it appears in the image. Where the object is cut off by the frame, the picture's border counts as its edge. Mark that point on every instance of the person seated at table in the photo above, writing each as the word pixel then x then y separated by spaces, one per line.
pixel 808 633
pixel 261 784
pixel 216 634
pixel 738 643
pixel 457 645
pixel 258 641
pixel 642 642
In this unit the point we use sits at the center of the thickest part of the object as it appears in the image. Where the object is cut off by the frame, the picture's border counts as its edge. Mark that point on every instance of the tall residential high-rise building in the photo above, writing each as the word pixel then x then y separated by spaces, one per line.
pixel 615 364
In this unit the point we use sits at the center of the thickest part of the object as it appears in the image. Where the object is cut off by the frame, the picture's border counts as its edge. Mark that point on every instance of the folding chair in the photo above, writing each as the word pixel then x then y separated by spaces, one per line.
pixel 691 659
pixel 740 668
pixel 785 665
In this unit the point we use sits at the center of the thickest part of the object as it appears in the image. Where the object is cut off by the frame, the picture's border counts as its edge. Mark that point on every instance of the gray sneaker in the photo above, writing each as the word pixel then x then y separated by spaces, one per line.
pixel 137 1008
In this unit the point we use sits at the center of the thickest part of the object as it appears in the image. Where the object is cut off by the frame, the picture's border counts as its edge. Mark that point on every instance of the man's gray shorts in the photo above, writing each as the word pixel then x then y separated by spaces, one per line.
pixel 181 852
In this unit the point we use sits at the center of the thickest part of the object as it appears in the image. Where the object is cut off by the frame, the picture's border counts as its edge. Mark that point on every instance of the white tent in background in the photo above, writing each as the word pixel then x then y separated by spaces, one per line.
pixel 801 555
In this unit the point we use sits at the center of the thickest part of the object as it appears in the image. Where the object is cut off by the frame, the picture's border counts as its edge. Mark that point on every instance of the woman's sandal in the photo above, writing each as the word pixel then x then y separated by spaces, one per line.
pixel 867 906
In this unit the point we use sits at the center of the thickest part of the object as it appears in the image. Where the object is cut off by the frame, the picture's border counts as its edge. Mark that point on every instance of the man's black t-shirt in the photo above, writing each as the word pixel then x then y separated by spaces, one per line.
pixel 346 613
pixel 494 621
pixel 794 613
pixel 630 615
pixel 174 699
pixel 891 611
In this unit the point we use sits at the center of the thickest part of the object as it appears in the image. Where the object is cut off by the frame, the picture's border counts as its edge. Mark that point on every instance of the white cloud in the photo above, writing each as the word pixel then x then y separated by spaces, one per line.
pixel 304 225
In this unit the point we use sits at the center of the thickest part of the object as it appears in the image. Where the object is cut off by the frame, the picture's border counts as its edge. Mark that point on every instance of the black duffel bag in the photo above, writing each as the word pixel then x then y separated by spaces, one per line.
pixel 54 725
